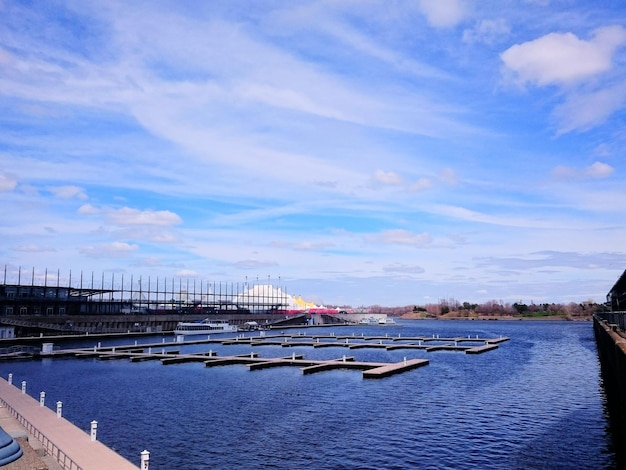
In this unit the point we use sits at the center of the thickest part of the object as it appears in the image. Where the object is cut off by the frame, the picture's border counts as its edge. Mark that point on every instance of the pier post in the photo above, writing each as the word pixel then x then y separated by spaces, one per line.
pixel 24 387
pixel 145 460
pixel 10 379
pixel 94 430
pixel 42 398
pixel 59 409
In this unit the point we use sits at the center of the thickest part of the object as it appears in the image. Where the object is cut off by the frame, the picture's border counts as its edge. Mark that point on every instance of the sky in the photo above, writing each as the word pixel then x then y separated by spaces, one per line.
pixel 353 152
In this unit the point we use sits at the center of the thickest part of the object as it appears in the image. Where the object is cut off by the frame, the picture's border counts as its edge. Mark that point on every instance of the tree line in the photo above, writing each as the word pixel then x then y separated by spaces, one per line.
pixel 453 308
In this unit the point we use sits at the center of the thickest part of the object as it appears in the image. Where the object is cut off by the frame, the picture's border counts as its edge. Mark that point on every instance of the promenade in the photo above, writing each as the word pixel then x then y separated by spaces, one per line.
pixel 69 445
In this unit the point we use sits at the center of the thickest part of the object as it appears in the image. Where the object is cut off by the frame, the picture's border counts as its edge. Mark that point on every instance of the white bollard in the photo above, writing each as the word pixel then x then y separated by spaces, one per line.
pixel 150 350
pixel 113 349
pixel 24 386
pixel 162 350
pixel 163 341
pixel 42 398
pixel 135 342
pixel 145 460
pixel 344 358
pixel 251 355
pixel 405 360
pixel 99 344
pixel 59 409
pixel 293 356
pixel 94 430
pixel 10 379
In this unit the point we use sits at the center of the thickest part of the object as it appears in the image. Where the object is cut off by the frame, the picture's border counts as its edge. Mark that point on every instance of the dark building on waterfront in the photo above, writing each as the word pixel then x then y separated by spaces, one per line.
pixel 44 304
pixel 617 295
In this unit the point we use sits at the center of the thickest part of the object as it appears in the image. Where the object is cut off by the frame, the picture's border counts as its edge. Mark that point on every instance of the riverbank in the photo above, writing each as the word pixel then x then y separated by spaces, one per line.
pixel 457 316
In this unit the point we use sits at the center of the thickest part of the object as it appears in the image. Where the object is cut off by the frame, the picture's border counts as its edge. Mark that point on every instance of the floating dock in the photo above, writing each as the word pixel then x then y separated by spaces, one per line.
pixel 163 352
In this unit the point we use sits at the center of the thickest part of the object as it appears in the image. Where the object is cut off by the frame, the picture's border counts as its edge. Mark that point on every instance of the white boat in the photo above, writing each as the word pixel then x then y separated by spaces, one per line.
pixel 368 321
pixel 204 327
pixel 387 321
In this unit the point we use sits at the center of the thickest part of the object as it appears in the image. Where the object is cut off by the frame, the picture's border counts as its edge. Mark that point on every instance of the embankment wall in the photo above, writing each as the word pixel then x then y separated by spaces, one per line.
pixel 611 342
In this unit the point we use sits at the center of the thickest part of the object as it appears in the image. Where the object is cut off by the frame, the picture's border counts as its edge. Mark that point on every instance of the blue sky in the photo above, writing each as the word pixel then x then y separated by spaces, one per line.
pixel 364 152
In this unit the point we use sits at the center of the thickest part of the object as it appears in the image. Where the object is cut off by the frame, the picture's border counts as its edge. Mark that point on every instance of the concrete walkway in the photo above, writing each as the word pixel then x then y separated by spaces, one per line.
pixel 71 446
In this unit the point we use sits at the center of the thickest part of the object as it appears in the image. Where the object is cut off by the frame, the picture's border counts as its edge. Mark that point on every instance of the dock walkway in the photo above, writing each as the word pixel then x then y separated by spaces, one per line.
pixel 69 445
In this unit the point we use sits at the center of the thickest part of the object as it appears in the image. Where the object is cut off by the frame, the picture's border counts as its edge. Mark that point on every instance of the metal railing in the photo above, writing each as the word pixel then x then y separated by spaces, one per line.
pixel 51 448
pixel 614 318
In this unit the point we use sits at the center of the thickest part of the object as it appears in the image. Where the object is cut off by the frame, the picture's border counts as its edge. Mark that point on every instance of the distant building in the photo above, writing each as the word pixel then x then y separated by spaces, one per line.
pixel 617 295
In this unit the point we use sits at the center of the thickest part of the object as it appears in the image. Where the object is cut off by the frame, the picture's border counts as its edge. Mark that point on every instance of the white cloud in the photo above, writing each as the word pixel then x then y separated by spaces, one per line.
pixel 33 248
pixel 68 192
pixel 599 170
pixel 443 13
pixel 583 111
pixel 129 216
pixel 8 182
pixel 448 176
pixel 88 209
pixel 596 170
pixel 403 237
pixel 387 177
pixel 403 268
pixel 487 31
pixel 109 250
pixel 421 185
pixel 563 58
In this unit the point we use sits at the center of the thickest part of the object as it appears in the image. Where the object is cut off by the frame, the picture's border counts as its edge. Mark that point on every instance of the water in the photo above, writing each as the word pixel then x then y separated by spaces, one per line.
pixel 536 402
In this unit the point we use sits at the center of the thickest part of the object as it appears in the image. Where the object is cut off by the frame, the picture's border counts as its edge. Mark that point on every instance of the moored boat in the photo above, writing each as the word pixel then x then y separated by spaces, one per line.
pixel 204 327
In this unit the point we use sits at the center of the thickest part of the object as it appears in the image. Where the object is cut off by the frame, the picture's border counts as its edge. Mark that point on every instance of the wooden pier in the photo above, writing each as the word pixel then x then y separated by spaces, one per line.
pixel 69 445
pixel 163 352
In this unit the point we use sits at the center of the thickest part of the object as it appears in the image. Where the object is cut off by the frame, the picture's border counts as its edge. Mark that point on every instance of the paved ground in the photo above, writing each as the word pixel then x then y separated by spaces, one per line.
pixel 34 457
pixel 74 442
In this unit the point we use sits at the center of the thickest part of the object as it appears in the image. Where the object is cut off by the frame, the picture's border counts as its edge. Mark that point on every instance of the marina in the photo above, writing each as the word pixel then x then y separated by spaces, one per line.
pixel 162 352
pixel 274 390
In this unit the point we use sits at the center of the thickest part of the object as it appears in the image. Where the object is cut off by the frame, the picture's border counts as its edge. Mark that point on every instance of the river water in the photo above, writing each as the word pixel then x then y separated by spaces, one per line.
pixel 536 402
